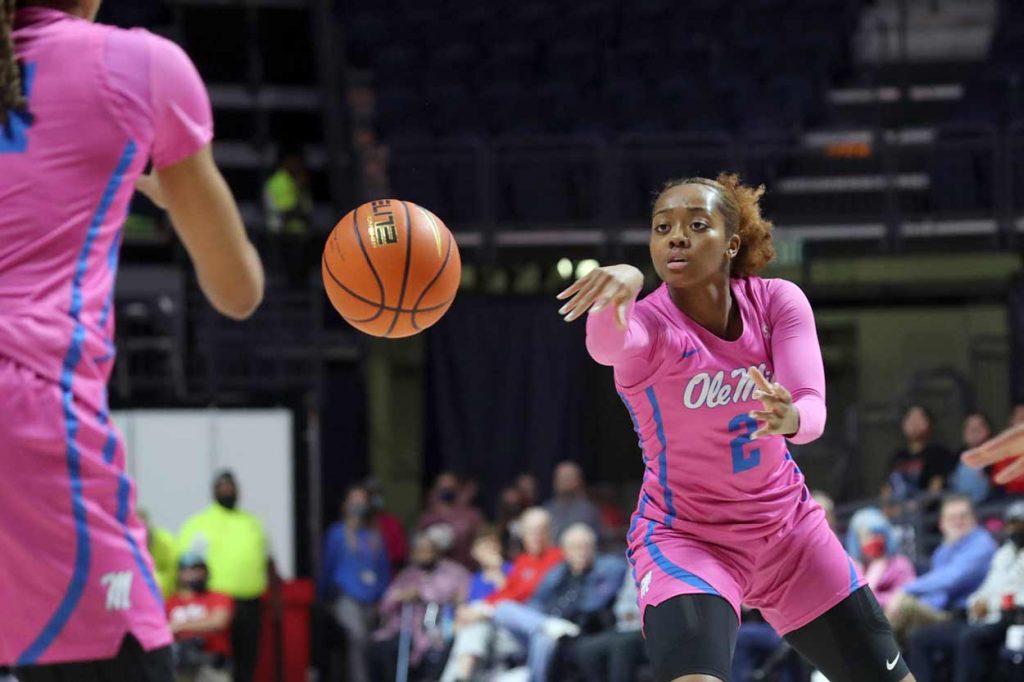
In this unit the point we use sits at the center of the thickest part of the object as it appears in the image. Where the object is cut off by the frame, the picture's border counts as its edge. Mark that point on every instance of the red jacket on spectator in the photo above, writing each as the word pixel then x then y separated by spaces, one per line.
pixel 183 610
pixel 393 534
pixel 527 572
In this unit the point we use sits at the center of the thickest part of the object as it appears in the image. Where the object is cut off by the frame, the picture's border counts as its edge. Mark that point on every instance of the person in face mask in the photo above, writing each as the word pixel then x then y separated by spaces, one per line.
pixel 974 645
pixel 871 542
pixel 235 546
pixel 354 576
pixel 447 507
pixel 388 525
pixel 433 587
pixel 201 623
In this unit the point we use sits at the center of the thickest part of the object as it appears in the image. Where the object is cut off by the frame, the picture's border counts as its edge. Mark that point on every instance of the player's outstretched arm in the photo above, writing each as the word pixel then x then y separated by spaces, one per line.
pixel 1007 445
pixel 617 285
pixel 206 218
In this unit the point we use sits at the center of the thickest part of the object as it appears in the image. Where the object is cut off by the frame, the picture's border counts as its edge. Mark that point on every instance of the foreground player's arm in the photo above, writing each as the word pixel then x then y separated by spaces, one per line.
pixel 1007 445
pixel 796 356
pixel 206 218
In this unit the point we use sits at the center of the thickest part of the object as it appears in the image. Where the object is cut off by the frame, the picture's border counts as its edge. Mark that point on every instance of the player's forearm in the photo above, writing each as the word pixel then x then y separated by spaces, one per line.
pixel 812 413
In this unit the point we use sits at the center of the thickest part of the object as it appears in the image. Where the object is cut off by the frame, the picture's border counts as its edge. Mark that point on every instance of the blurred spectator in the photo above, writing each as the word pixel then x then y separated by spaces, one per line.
pixel 287 200
pixel 828 506
pixel 432 587
pixel 477 632
pixel 974 483
pixel 958 567
pixel 388 525
pixel 575 597
pixel 234 544
pixel 527 484
pixel 615 655
pixel 871 542
pixel 921 465
pixel 468 491
pixel 163 547
pixel 445 509
pixel 200 621
pixel 570 503
pixel 354 576
pixel 970 648
pixel 510 508
pixel 757 646
pixel 494 569
pixel 1016 486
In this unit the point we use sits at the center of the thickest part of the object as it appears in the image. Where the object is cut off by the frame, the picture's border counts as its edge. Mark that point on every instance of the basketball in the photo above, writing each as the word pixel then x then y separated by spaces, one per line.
pixel 391 268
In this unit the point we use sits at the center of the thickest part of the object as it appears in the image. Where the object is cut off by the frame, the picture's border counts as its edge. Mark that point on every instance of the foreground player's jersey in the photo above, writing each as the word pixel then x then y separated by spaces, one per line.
pixel 76 576
pixel 103 101
pixel 689 395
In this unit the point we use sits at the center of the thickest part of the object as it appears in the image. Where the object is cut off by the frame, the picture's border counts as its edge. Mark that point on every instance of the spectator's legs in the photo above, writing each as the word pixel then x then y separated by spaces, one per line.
pixel 245 638
pixel 382 659
pixel 469 648
pixel 754 643
pixel 977 648
pixel 210 674
pixel 528 625
pixel 925 642
pixel 352 617
pixel 907 613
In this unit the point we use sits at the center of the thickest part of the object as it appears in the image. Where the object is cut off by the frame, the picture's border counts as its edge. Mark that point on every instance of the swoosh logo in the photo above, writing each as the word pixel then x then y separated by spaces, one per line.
pixel 433 227
pixel 890 666
pixel 690 353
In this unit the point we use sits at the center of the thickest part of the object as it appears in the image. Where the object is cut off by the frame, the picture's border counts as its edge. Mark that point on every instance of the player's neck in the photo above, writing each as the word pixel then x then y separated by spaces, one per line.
pixel 710 305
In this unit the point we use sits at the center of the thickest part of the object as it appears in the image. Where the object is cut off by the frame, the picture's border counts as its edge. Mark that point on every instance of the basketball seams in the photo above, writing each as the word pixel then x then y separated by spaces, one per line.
pixel 369 262
pixel 444 264
pixel 363 299
pixel 405 272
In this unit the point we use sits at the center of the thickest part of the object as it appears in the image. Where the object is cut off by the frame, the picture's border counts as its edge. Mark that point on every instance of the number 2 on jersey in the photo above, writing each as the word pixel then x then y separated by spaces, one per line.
pixel 743 460
pixel 14 136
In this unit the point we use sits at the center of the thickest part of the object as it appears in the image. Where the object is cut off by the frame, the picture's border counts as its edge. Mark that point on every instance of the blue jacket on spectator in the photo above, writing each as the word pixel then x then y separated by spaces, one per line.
pixel 600 586
pixel 956 571
pixel 361 572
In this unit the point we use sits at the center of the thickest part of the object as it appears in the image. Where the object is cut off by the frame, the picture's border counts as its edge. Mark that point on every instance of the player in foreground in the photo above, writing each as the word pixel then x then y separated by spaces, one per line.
pixel 83 108
pixel 718 368
pixel 1008 445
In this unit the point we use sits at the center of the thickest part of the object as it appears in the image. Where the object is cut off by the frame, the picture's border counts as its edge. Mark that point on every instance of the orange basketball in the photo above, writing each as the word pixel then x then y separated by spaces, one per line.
pixel 391 268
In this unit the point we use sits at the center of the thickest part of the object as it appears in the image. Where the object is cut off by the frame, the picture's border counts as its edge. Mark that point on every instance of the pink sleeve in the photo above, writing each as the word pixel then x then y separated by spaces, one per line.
pixel 631 351
pixel 796 356
pixel 182 118
pixel 158 95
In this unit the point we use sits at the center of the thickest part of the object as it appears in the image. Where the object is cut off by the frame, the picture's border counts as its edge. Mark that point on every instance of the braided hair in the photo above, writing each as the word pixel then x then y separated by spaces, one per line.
pixel 741 208
pixel 11 96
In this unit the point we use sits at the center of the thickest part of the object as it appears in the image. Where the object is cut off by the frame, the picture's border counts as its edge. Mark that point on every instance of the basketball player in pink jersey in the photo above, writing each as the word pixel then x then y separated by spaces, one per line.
pixel 718 368
pixel 83 108
pixel 1007 445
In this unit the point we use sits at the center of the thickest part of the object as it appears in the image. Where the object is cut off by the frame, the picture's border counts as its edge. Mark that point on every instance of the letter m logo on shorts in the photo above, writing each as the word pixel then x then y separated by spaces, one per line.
pixel 119 590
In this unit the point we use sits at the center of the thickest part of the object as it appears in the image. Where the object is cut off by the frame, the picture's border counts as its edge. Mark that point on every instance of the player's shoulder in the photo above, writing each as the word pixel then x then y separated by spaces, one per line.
pixel 144 46
pixel 772 291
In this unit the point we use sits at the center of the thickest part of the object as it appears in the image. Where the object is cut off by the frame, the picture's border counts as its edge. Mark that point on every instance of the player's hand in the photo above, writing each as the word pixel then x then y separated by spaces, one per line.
pixel 1007 445
pixel 779 416
pixel 149 185
pixel 613 284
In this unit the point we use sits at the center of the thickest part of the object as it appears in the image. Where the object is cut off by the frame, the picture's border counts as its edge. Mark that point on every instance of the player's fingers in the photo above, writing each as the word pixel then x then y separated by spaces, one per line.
pixel 760 382
pixel 761 415
pixel 616 294
pixel 578 284
pixel 782 393
pixel 587 284
pixel 1011 472
pixel 1006 444
pixel 584 300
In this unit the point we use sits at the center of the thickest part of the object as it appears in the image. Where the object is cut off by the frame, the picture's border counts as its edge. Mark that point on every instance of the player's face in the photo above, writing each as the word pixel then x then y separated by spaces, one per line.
pixel 689 239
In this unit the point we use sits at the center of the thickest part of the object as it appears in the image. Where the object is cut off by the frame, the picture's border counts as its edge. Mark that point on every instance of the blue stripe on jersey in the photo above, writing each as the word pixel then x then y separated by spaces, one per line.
pixel 636 424
pixel 662 457
pixel 112 254
pixel 671 569
pixel 123 493
pixel 83 548
pixel 854 583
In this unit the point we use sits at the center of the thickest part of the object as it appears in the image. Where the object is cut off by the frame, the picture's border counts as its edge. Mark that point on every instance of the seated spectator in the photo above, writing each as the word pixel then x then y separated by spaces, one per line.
pixel 958 567
pixel 200 621
pixel 354 576
pixel 429 585
pixel 570 503
pixel 970 648
pixel 444 508
pixel 575 597
pixel 494 569
pixel 974 483
pixel 828 506
pixel 614 655
pixel 1016 486
pixel 527 484
pixel 872 544
pixel 476 629
pixel 510 508
pixel 921 465
pixel 388 525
